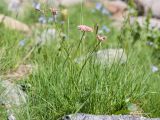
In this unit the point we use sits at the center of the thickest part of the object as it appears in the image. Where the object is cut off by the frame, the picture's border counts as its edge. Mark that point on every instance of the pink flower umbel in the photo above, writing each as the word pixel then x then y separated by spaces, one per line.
pixel 85 28
pixel 101 38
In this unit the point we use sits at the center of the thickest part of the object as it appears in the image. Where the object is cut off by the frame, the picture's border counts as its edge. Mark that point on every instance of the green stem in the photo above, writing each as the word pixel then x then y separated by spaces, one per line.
pixel 80 41
pixel 88 58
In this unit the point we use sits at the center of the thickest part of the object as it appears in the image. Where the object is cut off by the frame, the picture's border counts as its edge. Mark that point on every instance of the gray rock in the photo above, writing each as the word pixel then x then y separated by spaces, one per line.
pixel 153 22
pixel 14 24
pixel 11 97
pixel 106 57
pixel 110 56
pixel 117 8
pixel 152 5
pixel 11 94
pixel 80 116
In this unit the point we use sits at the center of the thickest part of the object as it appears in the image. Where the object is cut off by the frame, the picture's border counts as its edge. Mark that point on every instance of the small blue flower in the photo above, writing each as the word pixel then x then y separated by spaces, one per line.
pixel 14 5
pixel 98 6
pixel 105 12
pixel 37 6
pixel 42 19
pixel 154 68
pixel 105 29
pixel 22 43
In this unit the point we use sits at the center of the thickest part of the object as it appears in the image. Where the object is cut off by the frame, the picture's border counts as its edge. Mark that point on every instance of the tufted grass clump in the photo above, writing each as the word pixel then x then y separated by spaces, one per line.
pixel 60 86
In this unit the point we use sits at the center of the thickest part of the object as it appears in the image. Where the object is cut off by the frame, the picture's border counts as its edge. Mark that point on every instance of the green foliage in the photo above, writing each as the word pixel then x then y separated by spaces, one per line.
pixel 3 8
pixel 58 88
pixel 9 45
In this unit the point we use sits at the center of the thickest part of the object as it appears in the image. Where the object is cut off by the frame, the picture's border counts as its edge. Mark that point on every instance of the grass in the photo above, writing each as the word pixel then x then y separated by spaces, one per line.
pixel 57 88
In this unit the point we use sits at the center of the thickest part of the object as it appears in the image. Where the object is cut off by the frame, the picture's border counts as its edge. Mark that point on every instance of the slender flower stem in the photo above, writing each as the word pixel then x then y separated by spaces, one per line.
pixel 88 58
pixel 80 41
pixel 96 28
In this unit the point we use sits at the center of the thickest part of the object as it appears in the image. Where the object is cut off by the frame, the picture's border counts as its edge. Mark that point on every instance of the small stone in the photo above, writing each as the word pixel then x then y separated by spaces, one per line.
pixel 14 24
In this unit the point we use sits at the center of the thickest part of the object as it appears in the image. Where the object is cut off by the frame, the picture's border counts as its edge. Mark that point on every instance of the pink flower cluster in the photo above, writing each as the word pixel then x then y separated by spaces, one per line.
pixel 101 38
pixel 85 28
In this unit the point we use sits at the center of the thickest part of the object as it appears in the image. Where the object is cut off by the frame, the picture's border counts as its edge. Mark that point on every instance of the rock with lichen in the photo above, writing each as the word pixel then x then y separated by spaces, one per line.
pixel 81 116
